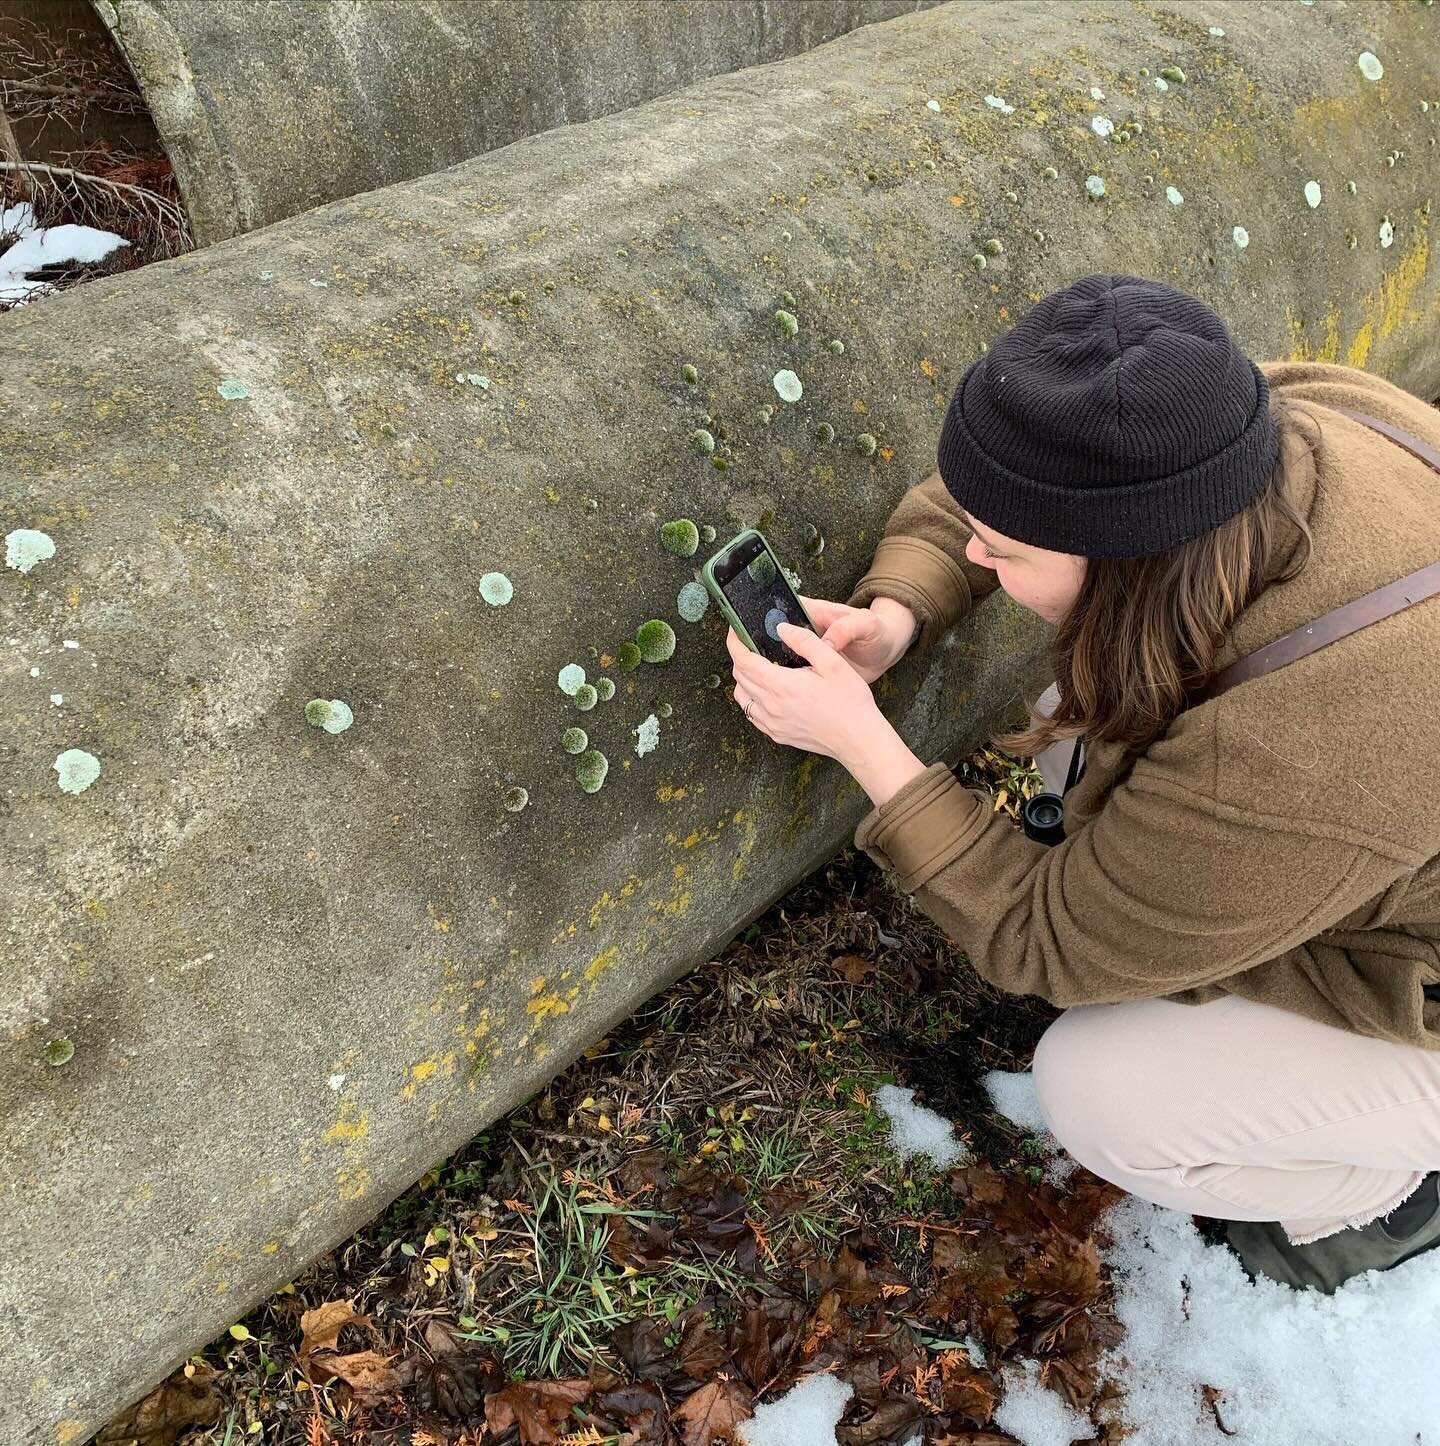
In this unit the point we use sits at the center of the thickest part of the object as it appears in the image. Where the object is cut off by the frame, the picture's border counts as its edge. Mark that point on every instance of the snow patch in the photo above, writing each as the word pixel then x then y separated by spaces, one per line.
pixel 914 1130
pixel 1037 1416
pixel 37 247
pixel 806 1415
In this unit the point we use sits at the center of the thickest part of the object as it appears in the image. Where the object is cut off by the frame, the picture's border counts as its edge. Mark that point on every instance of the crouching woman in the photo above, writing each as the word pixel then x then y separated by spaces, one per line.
pixel 1242 922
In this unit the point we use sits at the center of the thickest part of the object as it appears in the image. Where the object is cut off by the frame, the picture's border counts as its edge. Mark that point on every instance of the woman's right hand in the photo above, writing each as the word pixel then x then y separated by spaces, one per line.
pixel 869 639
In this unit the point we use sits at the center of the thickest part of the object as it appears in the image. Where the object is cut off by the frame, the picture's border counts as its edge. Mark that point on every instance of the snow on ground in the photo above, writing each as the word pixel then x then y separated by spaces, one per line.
pixel 1015 1097
pixel 1034 1414
pixel 806 1415
pixel 1289 1366
pixel 914 1130
pixel 36 247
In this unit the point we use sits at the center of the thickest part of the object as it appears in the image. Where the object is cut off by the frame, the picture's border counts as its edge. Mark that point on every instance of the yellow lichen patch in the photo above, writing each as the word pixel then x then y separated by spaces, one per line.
pixel 96 909
pixel 1399 287
pixel 347 1128
pixel 668 793
pixel 1359 349
pixel 537 983
pixel 927 366
pixel 424 1069
pixel 270 1247
pixel 352 1185
pixel 601 962
pixel 73 597
pixel 546 1005
pixel 67 1431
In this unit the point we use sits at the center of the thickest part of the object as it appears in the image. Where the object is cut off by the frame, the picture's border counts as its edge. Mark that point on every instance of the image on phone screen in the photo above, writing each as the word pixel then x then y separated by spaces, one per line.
pixel 762 598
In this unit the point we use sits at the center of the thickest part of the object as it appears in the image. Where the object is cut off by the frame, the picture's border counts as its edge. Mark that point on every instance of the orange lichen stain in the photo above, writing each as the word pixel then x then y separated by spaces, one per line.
pixel 67 1431
pixel 668 793
pixel 1004 313
pixel 609 901
pixel 270 1247
pixel 927 366
pixel 601 962
pixel 887 454
pixel 681 870
pixel 858 406
pixel 537 983
pixel 442 926
pixel 606 660
pixel 347 1127
pixel 546 1005
pixel 957 200
pixel 1037 296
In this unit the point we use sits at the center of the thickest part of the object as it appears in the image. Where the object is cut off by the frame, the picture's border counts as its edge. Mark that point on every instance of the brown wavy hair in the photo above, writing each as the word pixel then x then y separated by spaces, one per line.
pixel 1144 633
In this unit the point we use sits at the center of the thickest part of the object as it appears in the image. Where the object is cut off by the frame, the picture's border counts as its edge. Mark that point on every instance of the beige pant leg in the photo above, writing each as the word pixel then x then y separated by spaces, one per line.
pixel 1241 1111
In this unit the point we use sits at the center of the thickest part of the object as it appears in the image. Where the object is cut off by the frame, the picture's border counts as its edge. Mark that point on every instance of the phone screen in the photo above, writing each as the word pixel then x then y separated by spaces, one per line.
pixel 761 597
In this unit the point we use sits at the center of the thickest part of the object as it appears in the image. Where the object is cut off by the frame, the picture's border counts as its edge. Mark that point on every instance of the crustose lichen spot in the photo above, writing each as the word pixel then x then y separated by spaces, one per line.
pixel 26 546
pixel 656 640
pixel 590 770
pixel 681 537
pixel 77 769
pixel 496 589
pixel 787 386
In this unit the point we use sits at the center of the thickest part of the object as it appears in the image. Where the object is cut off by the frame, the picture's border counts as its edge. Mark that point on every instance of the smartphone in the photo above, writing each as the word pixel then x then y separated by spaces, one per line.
pixel 749 586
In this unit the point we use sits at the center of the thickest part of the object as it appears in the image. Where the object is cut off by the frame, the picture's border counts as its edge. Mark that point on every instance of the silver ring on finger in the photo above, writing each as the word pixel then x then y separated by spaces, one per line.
pixel 748 706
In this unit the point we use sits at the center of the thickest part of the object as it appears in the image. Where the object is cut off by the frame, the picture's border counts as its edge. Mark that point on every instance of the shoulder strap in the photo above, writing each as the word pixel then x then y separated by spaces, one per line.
pixel 1384 602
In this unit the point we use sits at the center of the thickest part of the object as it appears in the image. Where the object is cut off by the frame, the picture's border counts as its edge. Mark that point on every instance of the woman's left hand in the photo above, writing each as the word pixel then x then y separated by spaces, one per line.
pixel 826 708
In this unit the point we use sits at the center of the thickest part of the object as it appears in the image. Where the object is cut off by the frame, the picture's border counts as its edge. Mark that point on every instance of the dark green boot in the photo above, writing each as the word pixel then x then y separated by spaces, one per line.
pixel 1411 1228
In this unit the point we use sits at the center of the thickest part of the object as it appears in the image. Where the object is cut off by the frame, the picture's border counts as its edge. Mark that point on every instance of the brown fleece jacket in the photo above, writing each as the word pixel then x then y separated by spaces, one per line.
pixel 1282 841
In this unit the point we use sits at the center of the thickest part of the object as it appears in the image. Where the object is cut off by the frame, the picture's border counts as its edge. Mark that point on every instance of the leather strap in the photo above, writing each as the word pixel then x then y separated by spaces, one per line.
pixel 1384 602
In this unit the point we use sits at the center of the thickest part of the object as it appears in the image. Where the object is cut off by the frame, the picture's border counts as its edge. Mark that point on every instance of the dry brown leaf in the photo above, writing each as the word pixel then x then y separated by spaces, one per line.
pixel 854 968
pixel 713 1411
pixel 367 1373
pixel 538 1408
pixel 173 1406
pixel 320 1329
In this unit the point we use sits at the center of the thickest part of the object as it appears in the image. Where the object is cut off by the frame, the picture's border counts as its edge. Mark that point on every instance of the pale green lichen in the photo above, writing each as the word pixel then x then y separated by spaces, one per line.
pixel 77 769
pixel 1387 233
pixel 473 379
pixel 1241 237
pixel 232 390
pixel 1050 173
pixel 793 578
pixel 1173 196
pixel 865 444
pixel 1161 83
pixel 656 640
pixel 837 346
pixel 59 1051
pixel 680 537
pixel 585 697
pixel 713 681
pixel 627 657
pixel 690 376
pixel 647 735
pixel 663 710
pixel 516 297
pixel 1312 194
pixel 825 433
pixel 932 105
pixel 590 770
pixel 514 799
pixel 496 589
pixel 604 689
pixel 702 441
pixel 338 718
pixel 787 322
pixel 1174 75
pixel 569 678
pixel 787 298
pixel 692 602
pixel 707 533
pixel 978 261
pixel 26 546
pixel 763 415
pixel 1094 187
pixel 994 247
pixel 1370 66
pixel 575 740
pixel 1103 126
pixel 787 386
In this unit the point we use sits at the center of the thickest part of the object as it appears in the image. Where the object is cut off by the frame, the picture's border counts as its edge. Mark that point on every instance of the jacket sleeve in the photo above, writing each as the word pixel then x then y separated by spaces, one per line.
pixel 1162 890
pixel 921 562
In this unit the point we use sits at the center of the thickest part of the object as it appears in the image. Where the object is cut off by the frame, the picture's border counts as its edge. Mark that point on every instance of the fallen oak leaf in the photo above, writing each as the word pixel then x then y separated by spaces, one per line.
pixel 536 1407
pixel 175 1405
pixel 715 1410
pixel 320 1329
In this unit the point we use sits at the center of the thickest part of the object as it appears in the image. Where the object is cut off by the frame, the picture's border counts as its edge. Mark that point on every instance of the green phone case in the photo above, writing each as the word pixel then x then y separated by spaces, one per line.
pixel 707 575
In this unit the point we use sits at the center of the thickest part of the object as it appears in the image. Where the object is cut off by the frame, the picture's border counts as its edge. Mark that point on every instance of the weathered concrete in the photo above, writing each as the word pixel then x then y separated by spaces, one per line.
pixel 298 968
pixel 274 106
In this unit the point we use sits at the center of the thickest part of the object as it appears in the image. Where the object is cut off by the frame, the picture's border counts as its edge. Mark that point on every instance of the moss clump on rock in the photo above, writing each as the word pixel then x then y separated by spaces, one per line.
pixel 656 640
pixel 994 247
pixel 59 1051
pixel 585 697
pixel 575 740
pixel 707 533
pixel 627 657
pixel 702 441
pixel 825 433
pixel 690 375
pixel 590 770
pixel 514 799
pixel 865 444
pixel 787 322
pixel 604 689
pixel 681 537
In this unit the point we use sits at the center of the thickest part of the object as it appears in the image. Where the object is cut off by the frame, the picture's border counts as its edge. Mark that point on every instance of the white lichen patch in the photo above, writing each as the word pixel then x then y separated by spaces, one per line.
pixel 787 386
pixel 496 589
pixel 232 390
pixel 1241 237
pixel 26 546
pixel 1387 233
pixel 1312 194
pixel 1218 31
pixel 77 769
pixel 1173 196
pixel 473 379
pixel 1094 187
pixel 999 103
pixel 932 105
pixel 1103 126
pixel 647 735
pixel 692 602
pixel 57 699
pixel 1096 93
pixel 1370 66
pixel 339 718
pixel 569 678
pixel 1161 83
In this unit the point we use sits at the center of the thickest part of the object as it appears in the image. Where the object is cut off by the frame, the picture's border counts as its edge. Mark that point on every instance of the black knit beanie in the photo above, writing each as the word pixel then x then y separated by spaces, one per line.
pixel 1117 419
